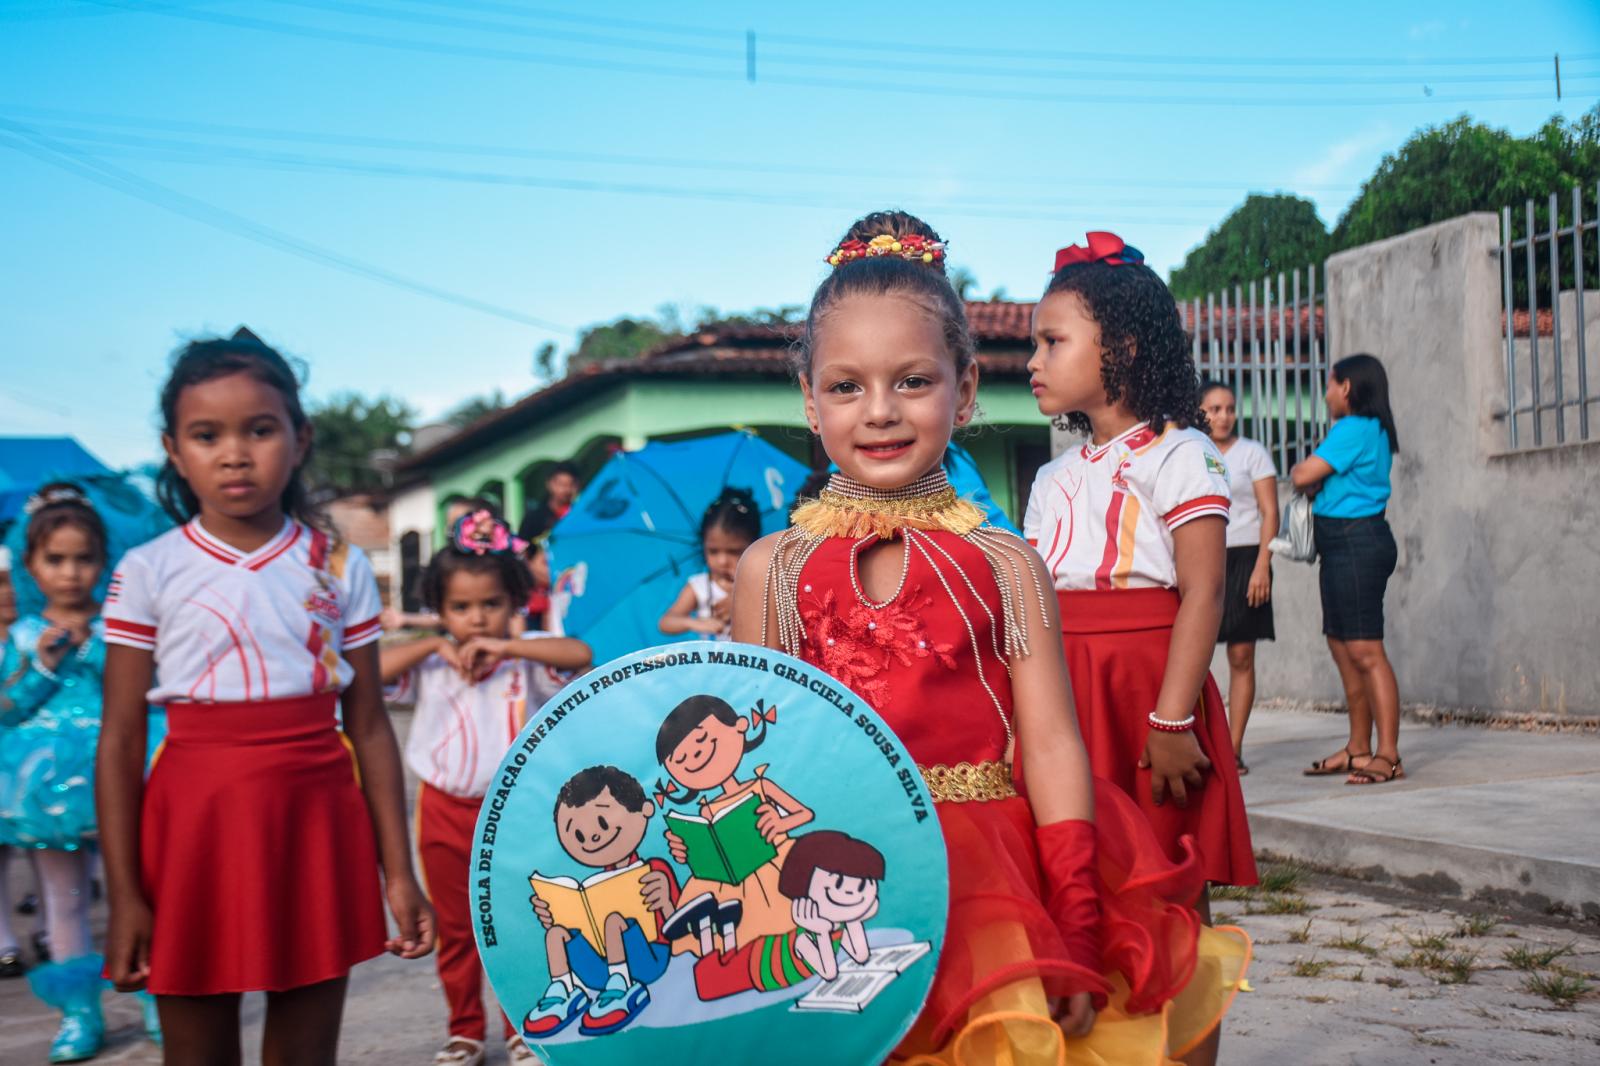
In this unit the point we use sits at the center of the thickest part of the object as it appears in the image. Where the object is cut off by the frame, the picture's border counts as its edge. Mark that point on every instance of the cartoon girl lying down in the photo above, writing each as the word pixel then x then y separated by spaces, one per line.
pixel 831 883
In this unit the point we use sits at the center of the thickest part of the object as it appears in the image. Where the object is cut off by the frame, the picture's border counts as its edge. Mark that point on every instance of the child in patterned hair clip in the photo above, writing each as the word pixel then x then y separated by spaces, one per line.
pixel 473 686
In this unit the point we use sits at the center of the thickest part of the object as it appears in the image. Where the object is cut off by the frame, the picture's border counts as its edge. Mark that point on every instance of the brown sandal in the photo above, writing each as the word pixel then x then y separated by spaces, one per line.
pixel 1325 767
pixel 1369 775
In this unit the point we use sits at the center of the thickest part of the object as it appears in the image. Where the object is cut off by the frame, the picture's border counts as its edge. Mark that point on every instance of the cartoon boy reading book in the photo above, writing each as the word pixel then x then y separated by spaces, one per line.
pixel 596 935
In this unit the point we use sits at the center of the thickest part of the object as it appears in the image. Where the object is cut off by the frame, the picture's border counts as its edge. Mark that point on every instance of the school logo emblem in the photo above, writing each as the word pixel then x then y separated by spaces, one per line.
pixel 709 853
pixel 1216 466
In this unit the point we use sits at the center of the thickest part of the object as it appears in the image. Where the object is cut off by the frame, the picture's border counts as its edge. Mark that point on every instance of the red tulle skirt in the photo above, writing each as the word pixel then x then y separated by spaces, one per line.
pixel 257 850
pixel 1116 644
pixel 1000 934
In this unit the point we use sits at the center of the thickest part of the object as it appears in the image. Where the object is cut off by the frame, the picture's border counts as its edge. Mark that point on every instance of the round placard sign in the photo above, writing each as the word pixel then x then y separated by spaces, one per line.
pixel 709 853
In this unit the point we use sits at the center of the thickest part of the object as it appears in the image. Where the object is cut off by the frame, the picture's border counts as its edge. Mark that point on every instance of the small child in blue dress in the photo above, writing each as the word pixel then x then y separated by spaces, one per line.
pixel 49 726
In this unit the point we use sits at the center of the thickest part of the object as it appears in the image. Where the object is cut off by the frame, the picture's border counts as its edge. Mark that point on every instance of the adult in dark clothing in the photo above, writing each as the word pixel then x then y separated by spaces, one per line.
pixel 560 489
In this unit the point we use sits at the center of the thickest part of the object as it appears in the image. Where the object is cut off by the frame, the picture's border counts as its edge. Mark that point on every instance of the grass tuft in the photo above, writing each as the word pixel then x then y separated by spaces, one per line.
pixel 1354 943
pixel 1475 925
pixel 1525 958
pixel 1302 935
pixel 1281 877
pixel 1312 967
pixel 1283 905
pixel 1562 989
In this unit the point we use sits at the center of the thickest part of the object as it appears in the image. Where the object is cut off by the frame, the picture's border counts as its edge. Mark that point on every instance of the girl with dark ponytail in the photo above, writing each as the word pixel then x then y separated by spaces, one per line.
pixel 731 524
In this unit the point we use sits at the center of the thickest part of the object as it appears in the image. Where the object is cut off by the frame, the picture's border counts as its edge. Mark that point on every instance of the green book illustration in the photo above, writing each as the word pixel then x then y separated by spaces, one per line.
pixel 726 847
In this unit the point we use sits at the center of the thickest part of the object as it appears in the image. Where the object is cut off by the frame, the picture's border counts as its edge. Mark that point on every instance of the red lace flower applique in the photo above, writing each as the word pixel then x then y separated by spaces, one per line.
pixel 859 645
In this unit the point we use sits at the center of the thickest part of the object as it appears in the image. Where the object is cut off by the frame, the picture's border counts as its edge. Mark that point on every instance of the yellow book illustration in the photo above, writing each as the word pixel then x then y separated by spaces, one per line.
pixel 584 906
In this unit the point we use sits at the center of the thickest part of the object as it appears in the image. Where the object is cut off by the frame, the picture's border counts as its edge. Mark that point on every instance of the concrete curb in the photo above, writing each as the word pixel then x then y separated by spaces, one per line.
pixel 1451 871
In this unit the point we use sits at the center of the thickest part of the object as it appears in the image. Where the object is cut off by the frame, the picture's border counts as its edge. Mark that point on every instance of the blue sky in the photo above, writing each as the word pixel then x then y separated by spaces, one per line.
pixel 565 164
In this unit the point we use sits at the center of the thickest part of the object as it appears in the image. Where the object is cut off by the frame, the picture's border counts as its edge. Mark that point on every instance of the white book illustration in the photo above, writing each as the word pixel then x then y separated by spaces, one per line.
pixel 859 983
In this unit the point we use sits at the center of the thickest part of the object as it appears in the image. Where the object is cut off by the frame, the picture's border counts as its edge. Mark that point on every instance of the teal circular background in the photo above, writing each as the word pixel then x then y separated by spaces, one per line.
pixel 835 756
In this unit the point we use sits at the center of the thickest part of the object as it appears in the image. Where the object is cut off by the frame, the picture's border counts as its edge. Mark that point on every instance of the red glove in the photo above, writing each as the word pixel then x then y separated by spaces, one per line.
pixel 1067 855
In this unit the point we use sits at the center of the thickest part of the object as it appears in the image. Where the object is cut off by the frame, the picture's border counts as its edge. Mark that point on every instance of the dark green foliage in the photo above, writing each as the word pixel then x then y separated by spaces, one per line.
pixel 350 430
pixel 1264 235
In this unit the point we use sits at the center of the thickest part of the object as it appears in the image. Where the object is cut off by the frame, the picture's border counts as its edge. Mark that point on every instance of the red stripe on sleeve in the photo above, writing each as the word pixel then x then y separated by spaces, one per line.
pixel 1198 507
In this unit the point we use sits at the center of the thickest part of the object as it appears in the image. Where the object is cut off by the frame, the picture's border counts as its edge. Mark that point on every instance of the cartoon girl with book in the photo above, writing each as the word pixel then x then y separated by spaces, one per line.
pixel 736 841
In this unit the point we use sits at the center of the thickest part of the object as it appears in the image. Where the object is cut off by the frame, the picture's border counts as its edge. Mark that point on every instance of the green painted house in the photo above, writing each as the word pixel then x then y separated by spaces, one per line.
pixel 705 383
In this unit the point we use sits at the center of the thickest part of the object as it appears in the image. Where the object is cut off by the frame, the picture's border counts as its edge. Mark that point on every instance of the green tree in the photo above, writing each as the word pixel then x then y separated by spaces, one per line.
pixel 625 338
pixel 1464 166
pixel 1262 236
pixel 353 435
pixel 469 411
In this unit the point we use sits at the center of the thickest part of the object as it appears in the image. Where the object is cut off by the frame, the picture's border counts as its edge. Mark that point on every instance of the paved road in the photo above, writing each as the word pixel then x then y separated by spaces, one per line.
pixel 1407 969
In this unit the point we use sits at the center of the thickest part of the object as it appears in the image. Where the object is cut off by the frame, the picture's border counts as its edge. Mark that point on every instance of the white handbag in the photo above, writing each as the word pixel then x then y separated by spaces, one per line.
pixel 1296 539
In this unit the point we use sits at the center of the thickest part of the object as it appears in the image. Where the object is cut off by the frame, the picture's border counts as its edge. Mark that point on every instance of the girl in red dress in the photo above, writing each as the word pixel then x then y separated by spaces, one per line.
pixel 945 625
pixel 250 859
pixel 1130 525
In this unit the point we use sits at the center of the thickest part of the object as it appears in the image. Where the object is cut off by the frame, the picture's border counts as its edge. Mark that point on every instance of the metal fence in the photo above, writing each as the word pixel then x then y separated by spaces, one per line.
pixel 1547 298
pixel 1267 341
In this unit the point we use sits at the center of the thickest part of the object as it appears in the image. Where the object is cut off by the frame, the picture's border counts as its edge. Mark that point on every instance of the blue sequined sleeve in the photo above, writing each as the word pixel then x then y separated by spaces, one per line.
pixel 25 685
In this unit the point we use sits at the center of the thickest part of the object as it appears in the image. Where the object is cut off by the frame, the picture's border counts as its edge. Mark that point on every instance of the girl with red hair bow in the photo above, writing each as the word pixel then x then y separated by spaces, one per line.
pixel 1130 524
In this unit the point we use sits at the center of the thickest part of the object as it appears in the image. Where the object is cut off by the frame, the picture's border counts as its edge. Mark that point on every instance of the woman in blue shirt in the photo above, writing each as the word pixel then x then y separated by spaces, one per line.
pixel 1348 477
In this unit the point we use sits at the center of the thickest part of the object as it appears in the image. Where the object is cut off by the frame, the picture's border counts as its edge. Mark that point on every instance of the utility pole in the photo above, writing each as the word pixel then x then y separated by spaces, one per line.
pixel 1558 75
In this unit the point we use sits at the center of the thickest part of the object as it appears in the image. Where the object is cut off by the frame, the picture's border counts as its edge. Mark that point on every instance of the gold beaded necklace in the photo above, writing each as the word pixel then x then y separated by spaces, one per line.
pixel 849 509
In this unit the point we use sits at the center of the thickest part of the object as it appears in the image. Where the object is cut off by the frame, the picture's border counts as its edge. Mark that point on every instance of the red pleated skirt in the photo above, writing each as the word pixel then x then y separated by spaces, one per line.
pixel 1116 645
pixel 257 850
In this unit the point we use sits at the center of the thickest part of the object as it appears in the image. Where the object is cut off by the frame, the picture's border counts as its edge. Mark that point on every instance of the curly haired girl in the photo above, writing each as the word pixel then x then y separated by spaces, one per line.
pixel 1131 525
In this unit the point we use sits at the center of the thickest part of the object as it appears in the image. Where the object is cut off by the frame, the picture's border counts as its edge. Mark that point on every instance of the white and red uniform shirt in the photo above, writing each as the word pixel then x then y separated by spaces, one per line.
pixel 462 730
pixel 1102 516
pixel 232 626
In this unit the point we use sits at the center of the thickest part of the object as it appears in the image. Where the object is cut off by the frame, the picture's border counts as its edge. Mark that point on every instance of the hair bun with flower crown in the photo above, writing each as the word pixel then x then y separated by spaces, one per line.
pixel 913 247
pixel 481 533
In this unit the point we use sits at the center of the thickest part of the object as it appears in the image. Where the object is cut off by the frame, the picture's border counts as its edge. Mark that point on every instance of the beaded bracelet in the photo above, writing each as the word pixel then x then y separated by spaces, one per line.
pixel 1167 725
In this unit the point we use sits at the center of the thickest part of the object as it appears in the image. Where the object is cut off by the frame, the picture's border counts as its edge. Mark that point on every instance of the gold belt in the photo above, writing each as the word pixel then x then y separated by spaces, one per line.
pixel 967 782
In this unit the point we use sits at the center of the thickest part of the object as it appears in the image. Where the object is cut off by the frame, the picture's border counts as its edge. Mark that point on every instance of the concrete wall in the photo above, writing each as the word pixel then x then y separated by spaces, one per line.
pixel 1496 601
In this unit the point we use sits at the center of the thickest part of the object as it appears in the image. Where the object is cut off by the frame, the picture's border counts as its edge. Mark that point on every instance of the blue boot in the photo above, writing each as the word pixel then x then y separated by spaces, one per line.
pixel 150 1016
pixel 73 988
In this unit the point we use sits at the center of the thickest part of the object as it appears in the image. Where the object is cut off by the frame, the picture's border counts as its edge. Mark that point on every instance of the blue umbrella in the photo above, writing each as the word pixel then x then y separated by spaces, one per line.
pixel 632 538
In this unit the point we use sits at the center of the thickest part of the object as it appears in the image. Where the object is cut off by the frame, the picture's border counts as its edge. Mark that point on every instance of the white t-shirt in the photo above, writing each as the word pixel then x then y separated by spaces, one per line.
pixel 1102 516
pixel 461 730
pixel 707 594
pixel 1247 462
pixel 230 626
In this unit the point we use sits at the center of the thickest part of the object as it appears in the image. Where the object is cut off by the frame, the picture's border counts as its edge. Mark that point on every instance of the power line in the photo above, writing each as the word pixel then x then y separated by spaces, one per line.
pixel 696 163
pixel 889 63
pixel 203 152
pixel 56 154
pixel 293 162
pixel 732 73
pixel 878 47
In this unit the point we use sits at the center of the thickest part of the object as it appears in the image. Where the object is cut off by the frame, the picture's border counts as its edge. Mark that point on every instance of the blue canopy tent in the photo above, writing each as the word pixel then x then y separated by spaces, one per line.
pixel 28 462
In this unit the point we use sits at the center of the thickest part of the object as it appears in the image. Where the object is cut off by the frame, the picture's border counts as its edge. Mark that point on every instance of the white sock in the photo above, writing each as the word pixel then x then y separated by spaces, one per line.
pixel 565 981
pixel 64 884
pixel 621 970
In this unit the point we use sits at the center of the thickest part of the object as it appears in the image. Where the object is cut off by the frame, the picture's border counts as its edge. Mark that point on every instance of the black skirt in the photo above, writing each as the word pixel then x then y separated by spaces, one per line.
pixel 1358 555
pixel 1242 623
